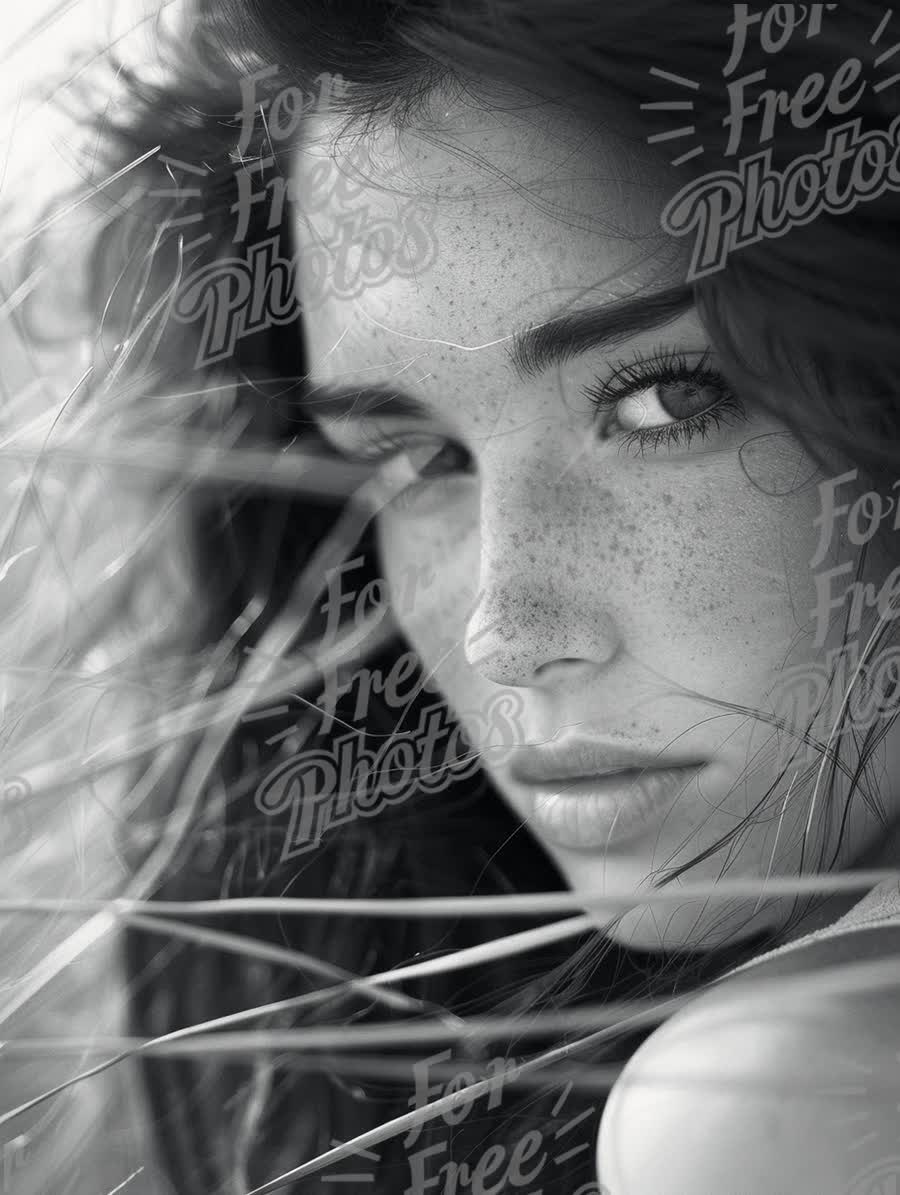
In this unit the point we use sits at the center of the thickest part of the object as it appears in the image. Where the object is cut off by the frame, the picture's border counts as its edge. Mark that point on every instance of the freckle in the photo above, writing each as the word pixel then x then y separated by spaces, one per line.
pixel 667 499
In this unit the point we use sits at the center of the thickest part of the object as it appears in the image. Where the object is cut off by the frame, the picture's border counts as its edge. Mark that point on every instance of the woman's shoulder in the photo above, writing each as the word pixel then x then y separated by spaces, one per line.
pixel 782 1078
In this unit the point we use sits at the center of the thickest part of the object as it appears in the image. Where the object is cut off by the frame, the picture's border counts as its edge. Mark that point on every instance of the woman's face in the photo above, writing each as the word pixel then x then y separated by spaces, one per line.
pixel 586 515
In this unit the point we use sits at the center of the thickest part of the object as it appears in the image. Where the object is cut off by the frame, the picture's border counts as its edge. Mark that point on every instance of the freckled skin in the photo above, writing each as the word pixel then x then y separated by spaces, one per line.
pixel 612 591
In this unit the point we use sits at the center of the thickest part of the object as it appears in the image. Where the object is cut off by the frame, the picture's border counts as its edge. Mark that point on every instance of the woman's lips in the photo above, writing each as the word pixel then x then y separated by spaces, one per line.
pixel 603 809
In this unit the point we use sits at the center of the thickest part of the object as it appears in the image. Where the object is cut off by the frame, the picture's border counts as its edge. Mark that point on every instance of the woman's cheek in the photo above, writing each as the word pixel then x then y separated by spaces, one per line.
pixel 431 562
pixel 429 549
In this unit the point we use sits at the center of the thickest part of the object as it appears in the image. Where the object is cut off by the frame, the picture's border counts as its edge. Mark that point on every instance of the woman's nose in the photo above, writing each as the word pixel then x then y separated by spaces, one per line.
pixel 540 619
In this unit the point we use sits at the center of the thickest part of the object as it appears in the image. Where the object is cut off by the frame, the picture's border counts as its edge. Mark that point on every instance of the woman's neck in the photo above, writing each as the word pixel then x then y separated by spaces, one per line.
pixel 885 853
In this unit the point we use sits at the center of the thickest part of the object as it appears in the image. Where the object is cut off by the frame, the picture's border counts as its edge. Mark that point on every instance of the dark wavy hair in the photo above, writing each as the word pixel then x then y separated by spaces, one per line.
pixel 806 322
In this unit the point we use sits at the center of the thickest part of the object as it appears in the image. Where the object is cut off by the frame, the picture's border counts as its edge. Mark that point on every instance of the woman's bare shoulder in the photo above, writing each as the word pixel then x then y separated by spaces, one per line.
pixel 781 1080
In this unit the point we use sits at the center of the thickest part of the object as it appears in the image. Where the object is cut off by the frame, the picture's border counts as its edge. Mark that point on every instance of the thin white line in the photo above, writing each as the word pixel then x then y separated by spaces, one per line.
pixel 691 153
pixel 881 26
pixel 562 1099
pixel 179 220
pixel 669 105
pixel 654 70
pixel 267 713
pixel 338 341
pixel 125 1182
pixel 282 734
pixel 182 165
pixel 467 348
pixel 365 1153
pixel 571 1124
pixel 886 83
pixel 571 1153
pixel 684 131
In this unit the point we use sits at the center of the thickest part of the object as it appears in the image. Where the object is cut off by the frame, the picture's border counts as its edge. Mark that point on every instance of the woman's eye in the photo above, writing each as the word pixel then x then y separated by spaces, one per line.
pixel 420 459
pixel 664 400
pixel 412 460
pixel 437 460
pixel 423 471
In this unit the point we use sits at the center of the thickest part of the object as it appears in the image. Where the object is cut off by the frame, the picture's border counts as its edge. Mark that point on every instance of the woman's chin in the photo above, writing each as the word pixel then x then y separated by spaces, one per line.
pixel 694 925
pixel 683 923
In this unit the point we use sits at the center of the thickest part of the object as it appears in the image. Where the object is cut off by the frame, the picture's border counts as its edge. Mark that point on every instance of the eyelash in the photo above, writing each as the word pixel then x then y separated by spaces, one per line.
pixel 666 366
pixel 663 366
pixel 383 447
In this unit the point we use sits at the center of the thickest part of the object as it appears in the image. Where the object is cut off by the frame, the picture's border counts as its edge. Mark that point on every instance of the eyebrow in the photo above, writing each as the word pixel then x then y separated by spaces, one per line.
pixel 566 336
pixel 531 351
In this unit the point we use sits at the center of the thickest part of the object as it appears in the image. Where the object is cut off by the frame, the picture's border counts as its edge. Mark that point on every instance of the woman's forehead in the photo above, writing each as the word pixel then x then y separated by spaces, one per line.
pixel 514 214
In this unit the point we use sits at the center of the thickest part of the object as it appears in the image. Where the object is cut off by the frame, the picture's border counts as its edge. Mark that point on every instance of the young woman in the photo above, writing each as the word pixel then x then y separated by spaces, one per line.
pixel 569 331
